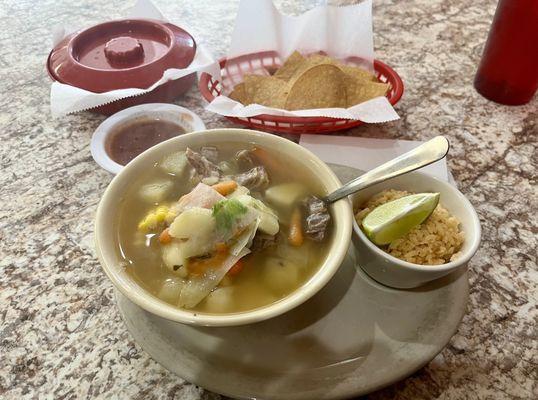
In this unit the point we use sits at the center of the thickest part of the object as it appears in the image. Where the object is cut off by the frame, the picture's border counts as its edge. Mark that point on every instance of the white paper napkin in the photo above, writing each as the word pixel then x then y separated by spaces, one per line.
pixel 66 99
pixel 340 32
pixel 366 153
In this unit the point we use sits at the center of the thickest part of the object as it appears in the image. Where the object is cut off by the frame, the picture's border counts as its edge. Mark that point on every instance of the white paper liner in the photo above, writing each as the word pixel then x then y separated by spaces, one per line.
pixel 344 150
pixel 340 32
pixel 66 99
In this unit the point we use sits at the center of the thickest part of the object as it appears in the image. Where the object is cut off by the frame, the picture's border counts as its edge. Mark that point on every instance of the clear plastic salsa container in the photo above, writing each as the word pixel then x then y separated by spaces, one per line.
pixel 130 53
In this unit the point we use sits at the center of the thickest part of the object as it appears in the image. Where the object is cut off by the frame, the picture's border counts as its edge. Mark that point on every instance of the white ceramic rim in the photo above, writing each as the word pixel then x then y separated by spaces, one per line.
pixel 342 212
pixel 97 145
pixel 463 259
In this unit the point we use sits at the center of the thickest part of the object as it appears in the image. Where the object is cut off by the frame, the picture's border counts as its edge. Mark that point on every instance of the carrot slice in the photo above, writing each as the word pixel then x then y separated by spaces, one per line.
pixel 198 266
pixel 266 159
pixel 164 237
pixel 225 187
pixel 296 229
pixel 237 268
pixel 221 247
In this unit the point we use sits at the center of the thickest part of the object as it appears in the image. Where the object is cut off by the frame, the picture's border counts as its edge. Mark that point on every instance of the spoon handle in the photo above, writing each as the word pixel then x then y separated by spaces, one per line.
pixel 427 153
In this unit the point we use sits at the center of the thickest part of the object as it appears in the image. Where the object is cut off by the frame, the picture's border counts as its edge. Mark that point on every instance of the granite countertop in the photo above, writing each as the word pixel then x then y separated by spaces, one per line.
pixel 61 335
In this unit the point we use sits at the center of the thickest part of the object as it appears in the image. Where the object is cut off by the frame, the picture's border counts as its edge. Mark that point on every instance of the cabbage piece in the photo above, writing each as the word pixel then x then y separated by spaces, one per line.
pixel 245 238
pixel 200 229
pixel 268 218
pixel 198 287
pixel 231 218
pixel 202 195
pixel 239 191
pixel 196 232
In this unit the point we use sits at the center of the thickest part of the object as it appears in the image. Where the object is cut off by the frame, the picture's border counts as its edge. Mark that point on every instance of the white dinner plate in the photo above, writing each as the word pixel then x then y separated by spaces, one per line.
pixel 353 337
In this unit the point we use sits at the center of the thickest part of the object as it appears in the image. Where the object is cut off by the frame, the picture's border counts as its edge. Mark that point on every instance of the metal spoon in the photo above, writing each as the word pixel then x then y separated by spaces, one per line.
pixel 425 154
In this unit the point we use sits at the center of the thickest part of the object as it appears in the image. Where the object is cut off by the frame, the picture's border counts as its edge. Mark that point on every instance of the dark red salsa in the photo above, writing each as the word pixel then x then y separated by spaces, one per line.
pixel 128 140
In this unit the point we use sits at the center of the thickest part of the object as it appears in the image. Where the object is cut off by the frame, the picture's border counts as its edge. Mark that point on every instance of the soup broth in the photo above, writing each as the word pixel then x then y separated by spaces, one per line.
pixel 276 265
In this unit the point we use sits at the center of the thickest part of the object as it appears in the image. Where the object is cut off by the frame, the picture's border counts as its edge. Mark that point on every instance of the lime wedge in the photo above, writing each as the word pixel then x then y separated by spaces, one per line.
pixel 394 219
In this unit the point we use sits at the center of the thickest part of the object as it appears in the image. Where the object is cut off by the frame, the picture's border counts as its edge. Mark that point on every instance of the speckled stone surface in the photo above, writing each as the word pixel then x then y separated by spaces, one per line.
pixel 61 335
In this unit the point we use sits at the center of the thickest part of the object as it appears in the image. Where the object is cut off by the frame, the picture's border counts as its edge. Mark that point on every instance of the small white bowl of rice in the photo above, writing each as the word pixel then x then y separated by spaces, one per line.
pixel 444 243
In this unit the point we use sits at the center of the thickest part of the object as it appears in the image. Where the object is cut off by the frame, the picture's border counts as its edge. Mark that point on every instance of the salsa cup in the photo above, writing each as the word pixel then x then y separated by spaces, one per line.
pixel 183 117
pixel 111 203
pixel 392 271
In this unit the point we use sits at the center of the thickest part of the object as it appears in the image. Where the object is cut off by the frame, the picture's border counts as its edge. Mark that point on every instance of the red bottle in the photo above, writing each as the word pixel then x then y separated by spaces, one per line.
pixel 508 71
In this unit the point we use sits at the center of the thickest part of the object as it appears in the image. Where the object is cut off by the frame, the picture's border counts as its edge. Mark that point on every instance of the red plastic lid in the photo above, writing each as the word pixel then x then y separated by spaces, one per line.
pixel 130 53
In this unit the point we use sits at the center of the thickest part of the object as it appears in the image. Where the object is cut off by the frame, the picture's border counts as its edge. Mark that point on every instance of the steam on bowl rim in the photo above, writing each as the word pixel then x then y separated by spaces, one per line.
pixel 109 203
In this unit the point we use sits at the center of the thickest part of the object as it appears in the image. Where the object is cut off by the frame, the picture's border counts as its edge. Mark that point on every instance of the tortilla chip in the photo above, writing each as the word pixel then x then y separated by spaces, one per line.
pixel 317 81
pixel 321 86
pixel 316 59
pixel 363 91
pixel 252 84
pixel 290 66
pixel 239 93
pixel 358 73
pixel 312 61
pixel 270 92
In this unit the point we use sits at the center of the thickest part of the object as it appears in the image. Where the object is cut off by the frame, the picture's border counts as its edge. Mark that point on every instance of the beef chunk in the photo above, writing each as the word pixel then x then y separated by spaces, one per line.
pixel 244 159
pixel 317 218
pixel 254 179
pixel 211 153
pixel 202 165
pixel 262 241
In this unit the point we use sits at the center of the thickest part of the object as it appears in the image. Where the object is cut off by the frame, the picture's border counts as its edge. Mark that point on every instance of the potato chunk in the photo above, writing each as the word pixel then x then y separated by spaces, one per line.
pixel 280 275
pixel 196 227
pixel 196 221
pixel 170 289
pixel 268 219
pixel 172 255
pixel 156 191
pixel 220 300
pixel 285 195
pixel 175 163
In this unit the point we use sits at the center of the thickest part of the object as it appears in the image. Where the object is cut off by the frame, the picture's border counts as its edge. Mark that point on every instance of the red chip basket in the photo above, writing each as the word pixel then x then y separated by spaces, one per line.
pixel 232 71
